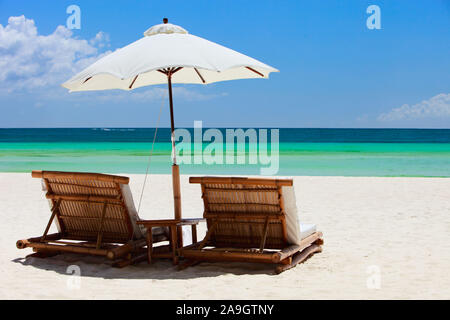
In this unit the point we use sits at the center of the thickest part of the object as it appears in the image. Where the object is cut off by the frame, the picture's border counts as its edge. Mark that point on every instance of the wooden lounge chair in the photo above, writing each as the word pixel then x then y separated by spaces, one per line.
pixel 94 214
pixel 252 220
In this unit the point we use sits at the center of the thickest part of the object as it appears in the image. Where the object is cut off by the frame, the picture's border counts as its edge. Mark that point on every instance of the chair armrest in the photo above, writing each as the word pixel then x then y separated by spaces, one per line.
pixel 193 221
pixel 156 223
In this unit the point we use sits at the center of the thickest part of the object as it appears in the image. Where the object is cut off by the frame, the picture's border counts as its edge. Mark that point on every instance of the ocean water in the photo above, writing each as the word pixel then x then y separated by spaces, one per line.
pixel 319 152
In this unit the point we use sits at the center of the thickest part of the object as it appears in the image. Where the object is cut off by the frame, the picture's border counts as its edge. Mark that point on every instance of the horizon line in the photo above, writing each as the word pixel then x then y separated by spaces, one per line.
pixel 243 127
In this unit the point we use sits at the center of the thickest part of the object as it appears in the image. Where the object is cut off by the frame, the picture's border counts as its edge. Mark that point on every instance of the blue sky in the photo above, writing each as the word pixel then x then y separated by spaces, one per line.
pixel 334 71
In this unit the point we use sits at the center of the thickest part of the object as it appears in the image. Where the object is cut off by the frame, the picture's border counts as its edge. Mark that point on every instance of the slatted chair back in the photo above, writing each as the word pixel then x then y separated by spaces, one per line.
pixel 89 206
pixel 244 212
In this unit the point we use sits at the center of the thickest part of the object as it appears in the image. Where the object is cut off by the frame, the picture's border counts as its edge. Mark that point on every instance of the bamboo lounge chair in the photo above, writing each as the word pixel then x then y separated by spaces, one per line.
pixel 252 220
pixel 94 214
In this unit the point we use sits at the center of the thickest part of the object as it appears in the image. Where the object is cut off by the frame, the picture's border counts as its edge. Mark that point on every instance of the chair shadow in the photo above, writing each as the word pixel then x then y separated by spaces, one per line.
pixel 160 269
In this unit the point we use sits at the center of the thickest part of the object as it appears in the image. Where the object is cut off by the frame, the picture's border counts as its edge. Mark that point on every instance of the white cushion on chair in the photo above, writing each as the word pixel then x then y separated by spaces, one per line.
pixel 307 229
pixel 139 230
pixel 296 231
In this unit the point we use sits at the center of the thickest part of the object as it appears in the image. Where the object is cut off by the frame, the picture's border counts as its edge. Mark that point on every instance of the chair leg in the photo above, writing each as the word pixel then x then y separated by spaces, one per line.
pixel 194 233
pixel 299 257
pixel 286 261
pixel 149 245
pixel 173 244
pixel 54 210
pixel 188 263
pixel 130 260
pixel 42 254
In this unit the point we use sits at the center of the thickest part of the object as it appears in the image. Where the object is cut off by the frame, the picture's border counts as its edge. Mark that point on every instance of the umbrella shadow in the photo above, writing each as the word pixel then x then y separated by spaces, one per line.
pixel 160 269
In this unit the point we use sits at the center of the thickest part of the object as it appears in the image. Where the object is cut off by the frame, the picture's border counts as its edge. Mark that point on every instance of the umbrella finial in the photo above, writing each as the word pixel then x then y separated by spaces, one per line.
pixel 165 28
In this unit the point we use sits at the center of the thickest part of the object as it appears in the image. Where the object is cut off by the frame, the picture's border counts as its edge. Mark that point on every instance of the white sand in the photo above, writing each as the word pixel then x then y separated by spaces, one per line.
pixel 400 225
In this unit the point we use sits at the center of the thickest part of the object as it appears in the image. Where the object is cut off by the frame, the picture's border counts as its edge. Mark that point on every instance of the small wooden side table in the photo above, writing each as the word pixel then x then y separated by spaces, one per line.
pixel 172 224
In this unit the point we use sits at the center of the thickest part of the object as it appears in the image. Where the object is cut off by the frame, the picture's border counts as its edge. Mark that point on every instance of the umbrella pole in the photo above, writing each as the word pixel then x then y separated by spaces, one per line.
pixel 175 168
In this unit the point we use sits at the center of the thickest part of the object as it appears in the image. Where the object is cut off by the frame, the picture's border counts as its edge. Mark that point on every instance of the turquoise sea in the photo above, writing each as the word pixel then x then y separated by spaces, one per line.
pixel 320 152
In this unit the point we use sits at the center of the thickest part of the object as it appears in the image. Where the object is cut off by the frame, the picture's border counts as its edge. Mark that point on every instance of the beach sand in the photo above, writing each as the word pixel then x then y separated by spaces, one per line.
pixel 395 230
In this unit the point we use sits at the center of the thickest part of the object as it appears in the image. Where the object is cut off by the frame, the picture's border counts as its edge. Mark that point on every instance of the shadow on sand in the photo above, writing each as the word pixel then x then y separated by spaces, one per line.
pixel 162 269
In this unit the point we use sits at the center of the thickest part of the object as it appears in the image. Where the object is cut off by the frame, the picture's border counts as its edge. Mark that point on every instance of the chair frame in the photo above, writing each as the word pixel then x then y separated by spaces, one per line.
pixel 122 248
pixel 283 255
pixel 170 251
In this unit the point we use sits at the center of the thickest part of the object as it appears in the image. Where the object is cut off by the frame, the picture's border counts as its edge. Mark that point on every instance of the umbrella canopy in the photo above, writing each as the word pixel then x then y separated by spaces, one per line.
pixel 168 54
pixel 167 46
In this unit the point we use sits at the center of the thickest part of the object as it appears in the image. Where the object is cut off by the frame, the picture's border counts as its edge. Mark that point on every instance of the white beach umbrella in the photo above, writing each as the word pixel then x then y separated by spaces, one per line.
pixel 167 54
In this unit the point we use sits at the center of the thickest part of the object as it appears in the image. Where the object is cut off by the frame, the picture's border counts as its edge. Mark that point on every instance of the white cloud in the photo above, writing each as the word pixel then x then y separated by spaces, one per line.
pixel 36 64
pixel 362 118
pixel 101 39
pixel 435 107
pixel 147 94
pixel 29 60
pixel 150 94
